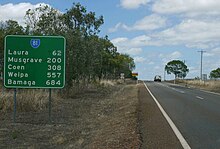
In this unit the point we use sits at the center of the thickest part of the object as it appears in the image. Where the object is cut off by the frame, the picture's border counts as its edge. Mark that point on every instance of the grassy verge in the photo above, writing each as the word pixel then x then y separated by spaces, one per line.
pixel 36 100
pixel 27 100
pixel 119 121
pixel 209 85
pixel 104 117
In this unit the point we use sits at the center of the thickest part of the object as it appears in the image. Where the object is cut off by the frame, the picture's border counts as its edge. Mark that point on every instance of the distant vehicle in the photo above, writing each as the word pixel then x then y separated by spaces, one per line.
pixel 157 78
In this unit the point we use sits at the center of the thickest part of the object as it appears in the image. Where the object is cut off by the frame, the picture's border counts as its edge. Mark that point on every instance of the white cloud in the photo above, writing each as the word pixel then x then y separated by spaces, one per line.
pixel 201 31
pixel 213 53
pixel 148 23
pixel 124 45
pixel 183 23
pixel 119 40
pixel 187 7
pixel 139 59
pixel 192 33
pixel 130 45
pixel 170 56
pixel 175 55
pixel 210 64
pixel 132 4
pixel 16 11
pixel 117 27
pixel 140 41
pixel 134 51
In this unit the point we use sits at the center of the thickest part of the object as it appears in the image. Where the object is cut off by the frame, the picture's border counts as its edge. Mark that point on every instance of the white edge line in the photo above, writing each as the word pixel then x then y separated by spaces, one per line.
pixel 199 97
pixel 183 142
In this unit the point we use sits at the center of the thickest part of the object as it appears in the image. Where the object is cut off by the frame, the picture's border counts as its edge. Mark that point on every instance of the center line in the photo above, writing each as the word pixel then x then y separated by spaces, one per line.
pixel 199 97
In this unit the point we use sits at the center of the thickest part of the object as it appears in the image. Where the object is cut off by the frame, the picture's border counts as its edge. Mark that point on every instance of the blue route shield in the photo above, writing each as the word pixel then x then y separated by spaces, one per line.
pixel 35 43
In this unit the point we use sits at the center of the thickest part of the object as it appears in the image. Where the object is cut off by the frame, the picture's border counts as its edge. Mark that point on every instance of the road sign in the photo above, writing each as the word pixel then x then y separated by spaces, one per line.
pixel 204 77
pixel 134 74
pixel 34 61
pixel 122 76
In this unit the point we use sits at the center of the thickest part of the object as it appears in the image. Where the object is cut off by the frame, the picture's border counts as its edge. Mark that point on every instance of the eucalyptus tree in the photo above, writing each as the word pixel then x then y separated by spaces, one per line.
pixel 44 20
pixel 177 67
pixel 88 56
pixel 2 35
pixel 215 73
pixel 125 65
pixel 9 27
pixel 82 28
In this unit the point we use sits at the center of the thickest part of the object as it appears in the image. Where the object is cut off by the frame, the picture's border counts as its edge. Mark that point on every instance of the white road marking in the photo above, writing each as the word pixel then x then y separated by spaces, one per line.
pixel 199 97
pixel 183 142
pixel 177 90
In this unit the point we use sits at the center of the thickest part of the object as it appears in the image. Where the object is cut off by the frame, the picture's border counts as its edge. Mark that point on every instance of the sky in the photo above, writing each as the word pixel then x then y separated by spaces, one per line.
pixel 153 32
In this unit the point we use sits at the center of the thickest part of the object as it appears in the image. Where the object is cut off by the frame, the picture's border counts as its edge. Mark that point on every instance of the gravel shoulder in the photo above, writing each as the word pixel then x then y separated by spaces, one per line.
pixel 155 130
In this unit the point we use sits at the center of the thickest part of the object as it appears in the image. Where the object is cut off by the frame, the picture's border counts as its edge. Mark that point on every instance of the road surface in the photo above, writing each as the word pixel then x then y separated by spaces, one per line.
pixel 195 113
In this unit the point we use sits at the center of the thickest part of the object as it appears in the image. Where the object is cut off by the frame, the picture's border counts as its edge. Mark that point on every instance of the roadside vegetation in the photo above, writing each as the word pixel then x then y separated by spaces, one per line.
pixel 106 118
pixel 215 74
pixel 178 68
pixel 95 109
pixel 90 59
pixel 208 85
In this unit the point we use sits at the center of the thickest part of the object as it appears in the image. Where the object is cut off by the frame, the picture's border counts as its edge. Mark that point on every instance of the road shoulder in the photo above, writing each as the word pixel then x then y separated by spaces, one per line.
pixel 155 130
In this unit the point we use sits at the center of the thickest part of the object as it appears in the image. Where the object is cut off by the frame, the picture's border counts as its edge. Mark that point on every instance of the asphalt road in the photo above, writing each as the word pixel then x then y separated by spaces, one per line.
pixel 195 113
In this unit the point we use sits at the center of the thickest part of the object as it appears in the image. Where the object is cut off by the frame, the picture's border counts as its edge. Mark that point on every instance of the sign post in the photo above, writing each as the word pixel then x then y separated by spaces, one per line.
pixel 15 103
pixel 34 62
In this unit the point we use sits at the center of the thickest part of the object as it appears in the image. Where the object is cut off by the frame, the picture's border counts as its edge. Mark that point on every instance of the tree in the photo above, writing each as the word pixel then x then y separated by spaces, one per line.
pixel 178 68
pixel 215 73
pixel 13 28
pixel 9 27
pixel 44 20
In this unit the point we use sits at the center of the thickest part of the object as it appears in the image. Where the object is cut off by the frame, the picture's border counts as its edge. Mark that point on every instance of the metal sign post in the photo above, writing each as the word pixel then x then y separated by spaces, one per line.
pixel 49 105
pixel 15 105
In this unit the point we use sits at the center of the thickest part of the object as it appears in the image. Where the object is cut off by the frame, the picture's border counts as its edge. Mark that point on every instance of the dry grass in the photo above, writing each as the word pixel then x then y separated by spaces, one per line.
pixel 211 85
pixel 107 83
pixel 119 121
pixel 27 100
pixel 104 118
pixel 37 99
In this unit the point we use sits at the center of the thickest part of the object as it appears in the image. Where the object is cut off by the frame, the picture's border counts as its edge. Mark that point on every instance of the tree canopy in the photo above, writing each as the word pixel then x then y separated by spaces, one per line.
pixel 177 67
pixel 215 73
pixel 9 27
